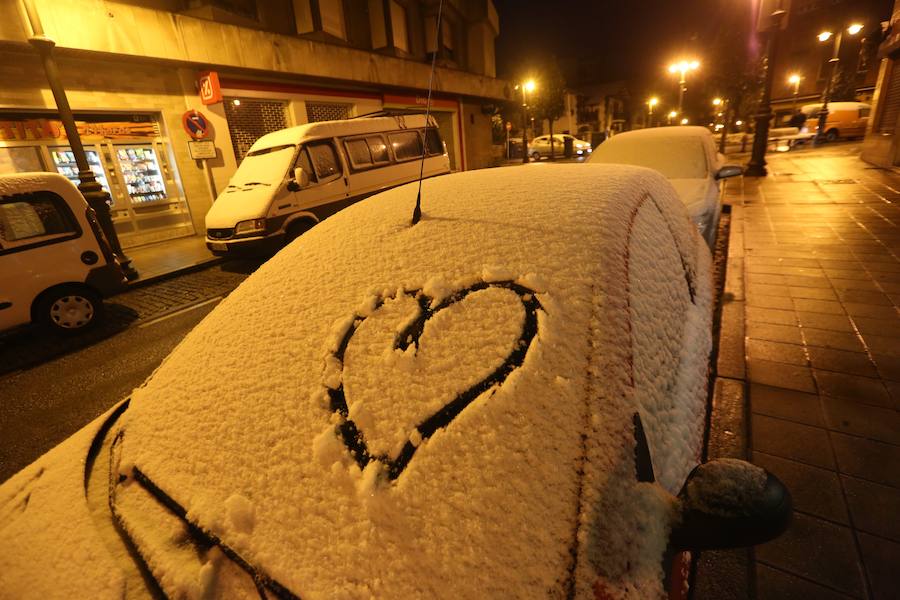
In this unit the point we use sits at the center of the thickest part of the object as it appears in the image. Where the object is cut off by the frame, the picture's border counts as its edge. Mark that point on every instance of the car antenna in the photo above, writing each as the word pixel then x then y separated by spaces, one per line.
pixel 417 211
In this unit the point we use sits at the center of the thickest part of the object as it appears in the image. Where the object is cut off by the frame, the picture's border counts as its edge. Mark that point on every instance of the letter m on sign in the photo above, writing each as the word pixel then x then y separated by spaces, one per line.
pixel 208 84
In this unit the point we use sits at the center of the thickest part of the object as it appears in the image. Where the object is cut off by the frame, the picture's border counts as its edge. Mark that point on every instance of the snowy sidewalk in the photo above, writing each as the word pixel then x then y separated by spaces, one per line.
pixel 811 340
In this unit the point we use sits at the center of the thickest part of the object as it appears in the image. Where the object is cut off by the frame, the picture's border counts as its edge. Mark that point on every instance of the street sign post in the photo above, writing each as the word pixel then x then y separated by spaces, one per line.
pixel 196 125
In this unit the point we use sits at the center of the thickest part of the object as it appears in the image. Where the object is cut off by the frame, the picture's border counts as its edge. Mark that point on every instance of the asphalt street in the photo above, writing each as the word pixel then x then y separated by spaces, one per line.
pixel 66 383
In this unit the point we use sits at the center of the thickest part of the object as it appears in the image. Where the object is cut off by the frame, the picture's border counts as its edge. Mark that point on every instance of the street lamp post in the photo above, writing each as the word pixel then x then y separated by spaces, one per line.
pixel 650 104
pixel 835 59
pixel 795 80
pixel 527 86
pixel 722 110
pixel 672 115
pixel 683 67
pixel 97 198
pixel 757 165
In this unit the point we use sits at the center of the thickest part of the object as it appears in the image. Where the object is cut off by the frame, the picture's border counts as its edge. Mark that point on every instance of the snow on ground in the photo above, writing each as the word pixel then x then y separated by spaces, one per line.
pixel 237 425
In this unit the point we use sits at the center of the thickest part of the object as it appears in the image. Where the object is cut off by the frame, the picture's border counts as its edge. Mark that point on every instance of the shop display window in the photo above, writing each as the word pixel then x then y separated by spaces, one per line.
pixel 142 175
pixel 64 160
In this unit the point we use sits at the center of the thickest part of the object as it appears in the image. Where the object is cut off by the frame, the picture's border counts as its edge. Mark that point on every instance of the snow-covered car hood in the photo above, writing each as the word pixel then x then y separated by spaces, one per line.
pixel 438 410
pixel 239 203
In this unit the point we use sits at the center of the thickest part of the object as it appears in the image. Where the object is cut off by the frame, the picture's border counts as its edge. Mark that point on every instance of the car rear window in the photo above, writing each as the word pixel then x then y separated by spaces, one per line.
pixel 676 157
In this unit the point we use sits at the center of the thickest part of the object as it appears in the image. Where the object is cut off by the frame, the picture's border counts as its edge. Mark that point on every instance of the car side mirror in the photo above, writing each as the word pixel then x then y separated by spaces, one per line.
pixel 299 180
pixel 729 503
pixel 729 171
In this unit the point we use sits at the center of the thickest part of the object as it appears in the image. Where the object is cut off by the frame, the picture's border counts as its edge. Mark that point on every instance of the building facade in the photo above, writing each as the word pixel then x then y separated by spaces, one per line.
pixel 134 72
pixel 882 146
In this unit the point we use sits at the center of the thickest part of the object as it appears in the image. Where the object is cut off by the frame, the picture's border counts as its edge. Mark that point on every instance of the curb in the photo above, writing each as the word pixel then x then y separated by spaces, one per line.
pixel 198 266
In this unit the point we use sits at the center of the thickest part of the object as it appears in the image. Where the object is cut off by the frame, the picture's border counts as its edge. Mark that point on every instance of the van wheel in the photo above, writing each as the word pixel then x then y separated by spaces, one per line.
pixel 296 229
pixel 69 309
pixel 831 135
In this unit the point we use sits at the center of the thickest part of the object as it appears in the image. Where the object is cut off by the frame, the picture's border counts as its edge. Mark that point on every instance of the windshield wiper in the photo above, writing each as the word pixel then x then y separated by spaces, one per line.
pixel 256 183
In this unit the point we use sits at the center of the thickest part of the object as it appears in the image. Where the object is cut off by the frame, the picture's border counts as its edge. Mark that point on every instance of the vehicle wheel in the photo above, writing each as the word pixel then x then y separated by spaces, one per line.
pixel 831 135
pixel 296 229
pixel 69 309
pixel 535 156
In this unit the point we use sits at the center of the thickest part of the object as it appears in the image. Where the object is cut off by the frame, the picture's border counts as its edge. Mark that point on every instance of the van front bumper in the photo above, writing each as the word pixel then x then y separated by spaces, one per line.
pixel 251 246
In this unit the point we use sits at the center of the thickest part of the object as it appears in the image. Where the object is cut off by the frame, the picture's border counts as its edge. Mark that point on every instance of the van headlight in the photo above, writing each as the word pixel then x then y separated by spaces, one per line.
pixel 251 226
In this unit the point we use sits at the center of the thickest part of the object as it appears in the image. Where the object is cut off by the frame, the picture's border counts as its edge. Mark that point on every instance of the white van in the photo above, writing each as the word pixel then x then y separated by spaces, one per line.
pixel 55 264
pixel 293 178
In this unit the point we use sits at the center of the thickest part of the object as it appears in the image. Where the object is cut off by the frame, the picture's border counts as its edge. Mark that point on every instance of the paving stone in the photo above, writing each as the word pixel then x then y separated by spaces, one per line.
pixel 780 375
pixel 882 344
pixel 818 306
pixel 770 315
pixel 776 351
pixel 881 558
pixel 854 284
pixel 873 422
pixel 832 339
pixel 888 366
pixel 791 440
pixel 815 491
pixel 875 508
pixel 864 297
pixel 776 333
pixel 888 327
pixel 824 321
pixel 786 404
pixel 779 302
pixel 819 551
pixel 874 311
pixel 855 363
pixel 767 290
pixel 812 293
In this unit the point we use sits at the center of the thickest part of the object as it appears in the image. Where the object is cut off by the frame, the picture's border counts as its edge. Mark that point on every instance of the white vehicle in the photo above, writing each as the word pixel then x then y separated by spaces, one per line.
pixel 540 146
pixel 687 157
pixel 293 178
pixel 55 264
pixel 503 400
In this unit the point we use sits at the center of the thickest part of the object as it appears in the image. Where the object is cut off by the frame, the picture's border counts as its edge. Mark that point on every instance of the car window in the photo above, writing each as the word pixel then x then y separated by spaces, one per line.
pixel 34 217
pixel 407 145
pixel 676 156
pixel 378 149
pixel 864 112
pixel 324 161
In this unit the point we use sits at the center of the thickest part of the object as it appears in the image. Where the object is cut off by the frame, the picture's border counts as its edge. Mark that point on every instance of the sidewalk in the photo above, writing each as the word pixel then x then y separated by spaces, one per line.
pixel 161 259
pixel 811 340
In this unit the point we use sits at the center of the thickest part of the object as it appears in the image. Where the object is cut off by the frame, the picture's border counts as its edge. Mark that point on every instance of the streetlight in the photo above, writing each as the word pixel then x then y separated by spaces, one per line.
pixel 684 121
pixel 794 79
pixel 852 29
pixel 672 115
pixel 97 198
pixel 720 105
pixel 527 87
pixel 683 67
pixel 773 21
pixel 650 104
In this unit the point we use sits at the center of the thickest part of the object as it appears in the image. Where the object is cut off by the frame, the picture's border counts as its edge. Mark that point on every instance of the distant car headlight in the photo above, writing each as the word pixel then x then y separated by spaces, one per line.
pixel 251 226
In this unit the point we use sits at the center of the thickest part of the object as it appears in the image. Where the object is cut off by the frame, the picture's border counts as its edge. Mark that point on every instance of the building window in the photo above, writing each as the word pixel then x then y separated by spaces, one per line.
pixel 444 43
pixel 249 119
pixel 327 111
pixel 398 29
pixel 320 15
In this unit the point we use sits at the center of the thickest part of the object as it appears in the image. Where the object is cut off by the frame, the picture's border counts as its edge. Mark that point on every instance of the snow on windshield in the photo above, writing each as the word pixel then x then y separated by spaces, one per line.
pixel 268 167
pixel 239 425
pixel 676 157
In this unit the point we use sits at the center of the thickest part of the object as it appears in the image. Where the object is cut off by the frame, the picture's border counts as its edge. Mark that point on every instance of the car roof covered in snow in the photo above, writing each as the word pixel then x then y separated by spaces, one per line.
pixel 18 183
pixel 438 410
pixel 325 129
pixel 665 132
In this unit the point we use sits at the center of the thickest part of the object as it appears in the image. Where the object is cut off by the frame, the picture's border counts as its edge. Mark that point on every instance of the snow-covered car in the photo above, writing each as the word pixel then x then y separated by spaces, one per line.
pixel 540 146
pixel 504 399
pixel 687 156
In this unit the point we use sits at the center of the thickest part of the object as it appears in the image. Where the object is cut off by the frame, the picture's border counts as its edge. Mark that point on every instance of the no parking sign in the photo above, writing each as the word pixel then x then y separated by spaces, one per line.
pixel 196 125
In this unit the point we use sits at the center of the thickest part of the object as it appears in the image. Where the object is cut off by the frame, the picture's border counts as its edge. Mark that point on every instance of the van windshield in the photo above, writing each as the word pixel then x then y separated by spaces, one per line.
pixel 266 166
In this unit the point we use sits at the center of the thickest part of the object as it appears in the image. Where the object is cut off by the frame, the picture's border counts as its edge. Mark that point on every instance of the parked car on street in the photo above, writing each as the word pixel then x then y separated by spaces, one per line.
pixel 293 178
pixel 687 157
pixel 845 119
pixel 55 264
pixel 504 399
pixel 540 146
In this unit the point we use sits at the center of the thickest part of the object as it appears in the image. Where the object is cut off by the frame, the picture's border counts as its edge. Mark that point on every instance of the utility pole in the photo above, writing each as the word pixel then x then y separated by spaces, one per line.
pixel 757 165
pixel 97 198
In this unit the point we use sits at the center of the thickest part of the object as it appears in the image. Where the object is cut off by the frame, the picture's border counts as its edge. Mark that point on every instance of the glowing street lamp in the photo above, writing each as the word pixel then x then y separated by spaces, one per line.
pixel 650 104
pixel 684 121
pixel 852 29
pixel 527 87
pixel 794 80
pixel 683 67
pixel 672 115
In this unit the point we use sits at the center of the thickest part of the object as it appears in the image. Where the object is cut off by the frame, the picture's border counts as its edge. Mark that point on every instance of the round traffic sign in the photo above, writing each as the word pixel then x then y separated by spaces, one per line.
pixel 195 124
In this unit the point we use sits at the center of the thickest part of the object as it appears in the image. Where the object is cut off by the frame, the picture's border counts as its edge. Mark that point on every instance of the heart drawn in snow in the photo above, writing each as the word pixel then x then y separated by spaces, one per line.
pixel 350 433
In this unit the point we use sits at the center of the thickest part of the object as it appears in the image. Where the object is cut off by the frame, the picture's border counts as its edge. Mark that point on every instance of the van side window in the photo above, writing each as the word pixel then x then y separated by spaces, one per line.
pixel 34 217
pixel 358 151
pixel 433 143
pixel 378 149
pixel 407 145
pixel 324 161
